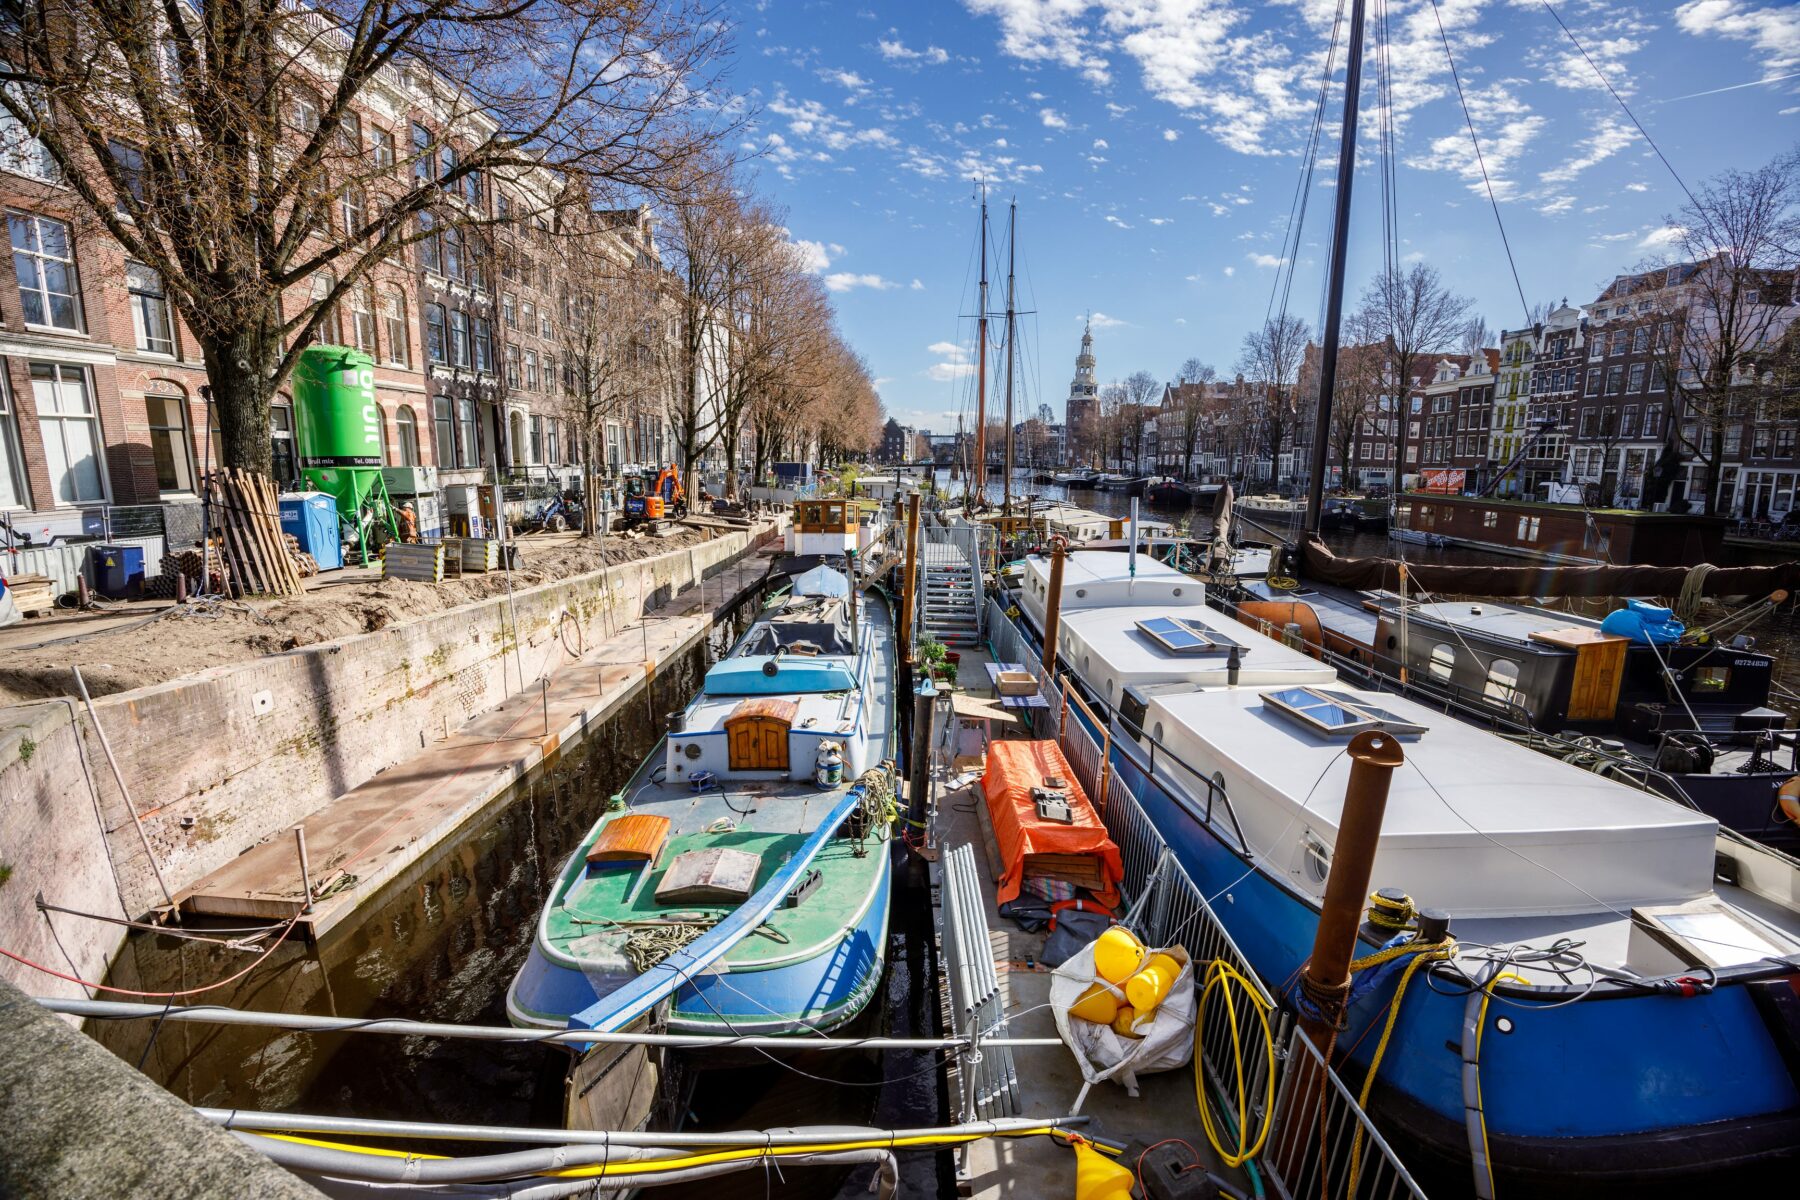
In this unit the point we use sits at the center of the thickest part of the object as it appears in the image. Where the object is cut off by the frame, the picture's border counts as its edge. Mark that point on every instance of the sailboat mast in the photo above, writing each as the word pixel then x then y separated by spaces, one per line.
pixel 980 481
pixel 1334 289
pixel 1012 221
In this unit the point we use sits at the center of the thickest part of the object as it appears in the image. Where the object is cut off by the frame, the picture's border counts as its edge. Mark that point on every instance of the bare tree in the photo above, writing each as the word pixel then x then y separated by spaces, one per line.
pixel 1141 389
pixel 1272 355
pixel 1362 361
pixel 1474 337
pixel 1729 285
pixel 1111 422
pixel 1197 379
pixel 1418 315
pixel 224 145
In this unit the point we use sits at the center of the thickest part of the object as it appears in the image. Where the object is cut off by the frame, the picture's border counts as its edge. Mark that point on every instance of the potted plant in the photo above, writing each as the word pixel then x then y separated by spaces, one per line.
pixel 934 658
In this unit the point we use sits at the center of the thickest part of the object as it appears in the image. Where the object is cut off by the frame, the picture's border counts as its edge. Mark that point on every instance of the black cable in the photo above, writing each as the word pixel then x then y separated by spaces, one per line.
pixel 1480 161
pixel 1303 185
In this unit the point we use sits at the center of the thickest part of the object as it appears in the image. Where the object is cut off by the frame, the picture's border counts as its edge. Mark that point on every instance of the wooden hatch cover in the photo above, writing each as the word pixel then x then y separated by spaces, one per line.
pixel 632 838
pixel 708 876
pixel 757 732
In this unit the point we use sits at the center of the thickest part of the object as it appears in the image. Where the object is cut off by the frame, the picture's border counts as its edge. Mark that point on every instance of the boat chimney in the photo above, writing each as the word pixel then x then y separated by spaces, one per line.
pixel 907 599
pixel 1053 605
pixel 1233 662
pixel 1326 982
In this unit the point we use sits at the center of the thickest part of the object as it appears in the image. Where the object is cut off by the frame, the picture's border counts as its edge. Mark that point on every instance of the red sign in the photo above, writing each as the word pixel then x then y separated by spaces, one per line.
pixel 1446 480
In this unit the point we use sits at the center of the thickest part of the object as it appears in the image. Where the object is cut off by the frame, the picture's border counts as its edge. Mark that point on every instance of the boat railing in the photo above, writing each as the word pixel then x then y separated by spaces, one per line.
pixel 986 1078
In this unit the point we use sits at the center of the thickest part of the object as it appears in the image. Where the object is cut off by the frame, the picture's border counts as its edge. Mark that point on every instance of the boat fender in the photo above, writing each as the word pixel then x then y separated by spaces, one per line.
pixel 1788 799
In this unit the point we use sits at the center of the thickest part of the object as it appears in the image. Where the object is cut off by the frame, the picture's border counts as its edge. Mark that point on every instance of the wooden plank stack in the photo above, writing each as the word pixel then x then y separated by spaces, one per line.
pixel 32 594
pixel 247 520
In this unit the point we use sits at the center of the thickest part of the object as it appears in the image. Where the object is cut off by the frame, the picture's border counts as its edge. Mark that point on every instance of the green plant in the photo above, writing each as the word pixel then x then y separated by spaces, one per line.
pixel 931 651
pixel 27 748
pixel 5 873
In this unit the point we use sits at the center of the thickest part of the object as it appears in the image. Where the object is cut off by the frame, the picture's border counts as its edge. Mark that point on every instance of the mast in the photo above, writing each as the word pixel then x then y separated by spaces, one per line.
pixel 1012 220
pixel 979 491
pixel 1334 292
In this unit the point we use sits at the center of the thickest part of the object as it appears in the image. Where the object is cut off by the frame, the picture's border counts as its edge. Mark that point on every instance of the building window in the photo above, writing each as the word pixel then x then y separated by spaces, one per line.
pixel 531 371
pixel 1784 443
pixel 44 263
pixel 170 449
pixel 509 311
pixel 1636 381
pixel 149 310
pixel 528 314
pixel 303 111
pixel 1734 441
pixel 328 329
pixel 399 352
pixel 550 454
pixel 512 366
pixel 443 432
pixel 436 336
pixel 21 153
pixel 407 427
pixel 383 143
pixel 453 252
pixel 468 434
pixel 281 443
pixel 12 464
pixel 459 338
pixel 355 206
pixel 472 188
pixel 1628 421
pixel 544 325
pixel 503 206
pixel 484 346
pixel 1652 420
pixel 422 156
pixel 1658 381
pixel 537 438
pixel 70 431
pixel 362 318
pixel 431 250
pixel 1615 380
pixel 129 162
pixel 1593 381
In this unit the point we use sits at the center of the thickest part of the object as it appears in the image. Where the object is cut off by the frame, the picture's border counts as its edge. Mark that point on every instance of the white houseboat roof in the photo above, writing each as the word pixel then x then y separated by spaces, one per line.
pixel 1103 578
pixel 1510 621
pixel 1116 648
pixel 1474 825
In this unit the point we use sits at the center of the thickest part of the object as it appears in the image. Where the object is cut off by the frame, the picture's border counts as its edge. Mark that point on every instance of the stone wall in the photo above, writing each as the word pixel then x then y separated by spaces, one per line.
pixel 218 761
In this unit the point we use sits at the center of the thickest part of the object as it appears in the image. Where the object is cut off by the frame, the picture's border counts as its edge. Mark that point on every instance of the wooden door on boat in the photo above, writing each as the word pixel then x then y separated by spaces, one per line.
pixel 757 733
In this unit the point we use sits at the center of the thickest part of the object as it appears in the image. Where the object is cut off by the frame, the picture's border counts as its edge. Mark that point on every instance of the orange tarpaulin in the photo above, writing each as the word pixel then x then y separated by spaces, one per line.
pixel 1013 769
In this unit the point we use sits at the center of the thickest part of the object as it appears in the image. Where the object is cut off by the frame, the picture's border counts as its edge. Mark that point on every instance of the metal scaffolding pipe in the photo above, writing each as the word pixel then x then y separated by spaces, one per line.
pixel 308 1023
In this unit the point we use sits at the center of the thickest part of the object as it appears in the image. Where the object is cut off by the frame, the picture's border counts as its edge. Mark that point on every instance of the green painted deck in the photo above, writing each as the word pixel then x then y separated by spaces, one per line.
pixel 599 896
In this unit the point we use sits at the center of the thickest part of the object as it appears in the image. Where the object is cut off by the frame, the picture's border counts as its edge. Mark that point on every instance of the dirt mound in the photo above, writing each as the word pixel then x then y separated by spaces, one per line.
pixel 118 650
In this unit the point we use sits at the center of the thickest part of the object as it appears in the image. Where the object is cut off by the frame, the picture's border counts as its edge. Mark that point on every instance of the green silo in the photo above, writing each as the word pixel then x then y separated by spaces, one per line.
pixel 337 426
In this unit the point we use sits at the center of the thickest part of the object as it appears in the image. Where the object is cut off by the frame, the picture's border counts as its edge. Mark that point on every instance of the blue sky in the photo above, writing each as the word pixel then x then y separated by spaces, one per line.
pixel 1154 148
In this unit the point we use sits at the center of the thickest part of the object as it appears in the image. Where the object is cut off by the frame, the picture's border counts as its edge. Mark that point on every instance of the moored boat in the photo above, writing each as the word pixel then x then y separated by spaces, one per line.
pixel 1629 964
pixel 745 875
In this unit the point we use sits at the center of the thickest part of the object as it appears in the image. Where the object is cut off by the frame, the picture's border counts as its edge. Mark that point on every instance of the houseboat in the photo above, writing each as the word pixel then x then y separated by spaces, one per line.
pixel 1610 1013
pixel 1561 533
pixel 756 830
pixel 1689 719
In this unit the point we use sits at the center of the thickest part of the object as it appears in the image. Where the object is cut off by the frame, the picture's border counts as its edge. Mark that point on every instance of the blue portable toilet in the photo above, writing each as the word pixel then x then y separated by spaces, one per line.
pixel 312 518
pixel 118 571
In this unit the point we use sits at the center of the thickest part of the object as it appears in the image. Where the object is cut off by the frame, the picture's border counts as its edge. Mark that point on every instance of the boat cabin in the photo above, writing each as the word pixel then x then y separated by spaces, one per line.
pixel 795 688
pixel 1104 578
pixel 824 527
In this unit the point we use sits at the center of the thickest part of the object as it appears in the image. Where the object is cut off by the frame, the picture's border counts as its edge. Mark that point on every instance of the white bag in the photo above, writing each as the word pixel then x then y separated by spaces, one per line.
pixel 1167 1039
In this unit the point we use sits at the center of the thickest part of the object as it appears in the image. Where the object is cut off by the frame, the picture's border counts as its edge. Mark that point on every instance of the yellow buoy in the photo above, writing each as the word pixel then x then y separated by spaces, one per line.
pixel 1122 1023
pixel 1146 989
pixel 1098 1177
pixel 1118 955
pixel 1098 1004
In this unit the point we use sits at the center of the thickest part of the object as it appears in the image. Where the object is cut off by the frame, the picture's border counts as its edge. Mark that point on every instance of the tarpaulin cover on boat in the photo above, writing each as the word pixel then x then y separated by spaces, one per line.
pixel 1028 843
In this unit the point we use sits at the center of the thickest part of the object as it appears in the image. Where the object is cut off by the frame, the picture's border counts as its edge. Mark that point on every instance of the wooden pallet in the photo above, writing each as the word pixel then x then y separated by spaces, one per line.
pixel 246 518
pixel 33 595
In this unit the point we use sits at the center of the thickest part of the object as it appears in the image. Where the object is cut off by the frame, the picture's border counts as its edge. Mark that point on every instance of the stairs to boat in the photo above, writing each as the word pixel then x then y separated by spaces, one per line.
pixel 950 594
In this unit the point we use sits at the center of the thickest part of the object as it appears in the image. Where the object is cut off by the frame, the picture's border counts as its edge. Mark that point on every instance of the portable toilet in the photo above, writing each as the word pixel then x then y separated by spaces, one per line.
pixel 312 517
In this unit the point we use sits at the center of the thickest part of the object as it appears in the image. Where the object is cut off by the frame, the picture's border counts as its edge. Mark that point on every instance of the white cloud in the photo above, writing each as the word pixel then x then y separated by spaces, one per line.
pixel 1162 220
pixel 897 51
pixel 1100 144
pixel 845 79
pixel 1662 239
pixel 1637 187
pixel 1100 320
pixel 1556 205
pixel 1265 260
pixel 812 255
pixel 1181 320
pixel 955 362
pixel 1170 135
pixel 1112 220
pixel 917 286
pixel 1773 32
pixel 1612 136
pixel 1230 271
pixel 843 281
pixel 1052 119
pixel 948 350
pixel 1046 32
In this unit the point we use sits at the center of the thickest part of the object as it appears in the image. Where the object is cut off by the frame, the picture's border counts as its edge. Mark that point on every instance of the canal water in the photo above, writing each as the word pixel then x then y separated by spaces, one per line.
pixel 442 944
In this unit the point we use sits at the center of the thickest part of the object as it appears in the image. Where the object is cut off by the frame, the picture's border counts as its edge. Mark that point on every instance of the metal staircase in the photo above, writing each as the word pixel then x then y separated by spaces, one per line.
pixel 950 585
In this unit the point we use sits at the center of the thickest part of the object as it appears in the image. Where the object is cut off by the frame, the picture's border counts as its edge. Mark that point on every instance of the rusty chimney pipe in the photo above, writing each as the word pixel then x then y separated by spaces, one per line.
pixel 1053 605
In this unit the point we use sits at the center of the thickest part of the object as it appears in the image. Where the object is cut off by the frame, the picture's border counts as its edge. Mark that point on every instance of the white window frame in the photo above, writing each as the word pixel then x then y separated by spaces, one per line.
pixel 145 304
pixel 36 256
pixel 55 419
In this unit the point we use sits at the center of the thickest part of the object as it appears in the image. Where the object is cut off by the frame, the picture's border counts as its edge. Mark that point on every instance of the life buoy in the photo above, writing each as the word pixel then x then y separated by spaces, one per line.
pixel 1788 799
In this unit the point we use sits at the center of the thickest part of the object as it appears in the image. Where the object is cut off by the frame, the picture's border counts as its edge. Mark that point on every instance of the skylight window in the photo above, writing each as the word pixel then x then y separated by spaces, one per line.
pixel 1334 714
pixel 1180 636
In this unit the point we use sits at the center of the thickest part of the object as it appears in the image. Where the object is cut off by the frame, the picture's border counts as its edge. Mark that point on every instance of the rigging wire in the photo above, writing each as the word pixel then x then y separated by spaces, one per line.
pixel 1620 100
pixel 1480 160
pixel 1296 221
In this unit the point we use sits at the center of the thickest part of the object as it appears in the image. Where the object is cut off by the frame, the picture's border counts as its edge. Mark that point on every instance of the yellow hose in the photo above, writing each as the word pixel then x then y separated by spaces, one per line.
pixel 1487 994
pixel 653 1166
pixel 1421 956
pixel 1221 975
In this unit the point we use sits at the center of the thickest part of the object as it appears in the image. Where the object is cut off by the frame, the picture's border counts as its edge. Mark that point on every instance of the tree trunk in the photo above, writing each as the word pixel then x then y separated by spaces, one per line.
pixel 240 368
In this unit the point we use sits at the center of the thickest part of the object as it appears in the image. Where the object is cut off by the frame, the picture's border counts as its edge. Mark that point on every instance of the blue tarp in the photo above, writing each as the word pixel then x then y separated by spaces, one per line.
pixel 821 581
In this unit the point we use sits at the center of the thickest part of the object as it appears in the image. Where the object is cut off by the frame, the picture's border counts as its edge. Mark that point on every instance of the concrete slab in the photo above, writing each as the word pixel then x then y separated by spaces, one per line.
pixel 372 834
pixel 1049 1078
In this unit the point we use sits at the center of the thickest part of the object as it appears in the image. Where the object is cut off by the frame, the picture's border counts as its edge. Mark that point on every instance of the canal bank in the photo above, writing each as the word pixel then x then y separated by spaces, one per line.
pixel 212 765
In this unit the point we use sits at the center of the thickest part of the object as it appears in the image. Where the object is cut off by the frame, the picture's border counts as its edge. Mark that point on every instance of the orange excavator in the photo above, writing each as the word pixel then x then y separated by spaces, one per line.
pixel 655 499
